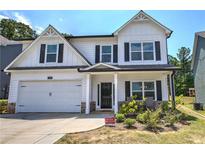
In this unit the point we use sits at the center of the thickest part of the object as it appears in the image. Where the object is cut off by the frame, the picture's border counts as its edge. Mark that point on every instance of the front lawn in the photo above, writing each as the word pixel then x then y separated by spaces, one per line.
pixel 188 102
pixel 194 133
pixel 157 126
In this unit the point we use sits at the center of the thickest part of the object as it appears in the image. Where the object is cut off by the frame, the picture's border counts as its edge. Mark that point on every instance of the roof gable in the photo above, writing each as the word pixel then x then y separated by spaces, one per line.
pixel 142 16
pixel 50 31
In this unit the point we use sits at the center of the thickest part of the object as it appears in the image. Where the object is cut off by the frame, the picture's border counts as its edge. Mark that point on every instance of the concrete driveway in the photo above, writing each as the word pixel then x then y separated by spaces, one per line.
pixel 45 128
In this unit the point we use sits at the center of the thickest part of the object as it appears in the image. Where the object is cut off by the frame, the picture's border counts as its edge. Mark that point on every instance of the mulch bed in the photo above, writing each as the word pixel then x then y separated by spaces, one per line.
pixel 161 128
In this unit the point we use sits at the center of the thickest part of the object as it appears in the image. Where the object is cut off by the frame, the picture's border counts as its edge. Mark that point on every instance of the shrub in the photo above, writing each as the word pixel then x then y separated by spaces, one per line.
pixel 179 100
pixel 143 117
pixel 153 119
pixel 132 108
pixel 120 117
pixel 170 119
pixel 3 106
pixel 129 122
pixel 164 106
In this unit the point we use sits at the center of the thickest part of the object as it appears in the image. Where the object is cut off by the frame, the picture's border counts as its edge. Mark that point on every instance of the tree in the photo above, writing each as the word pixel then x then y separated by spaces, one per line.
pixel 12 30
pixel 183 78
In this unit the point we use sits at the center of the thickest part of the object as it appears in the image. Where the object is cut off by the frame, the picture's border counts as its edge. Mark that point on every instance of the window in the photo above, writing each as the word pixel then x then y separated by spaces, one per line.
pixel 143 89
pixel 51 53
pixel 144 50
pixel 148 51
pixel 137 90
pixel 149 90
pixel 106 54
pixel 136 53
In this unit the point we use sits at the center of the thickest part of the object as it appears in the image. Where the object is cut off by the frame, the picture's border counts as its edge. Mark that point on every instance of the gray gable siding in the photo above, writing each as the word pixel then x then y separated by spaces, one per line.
pixel 199 71
pixel 200 46
pixel 7 55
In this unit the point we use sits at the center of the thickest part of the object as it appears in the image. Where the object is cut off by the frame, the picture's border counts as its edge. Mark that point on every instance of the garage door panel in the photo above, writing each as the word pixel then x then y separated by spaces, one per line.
pixel 49 96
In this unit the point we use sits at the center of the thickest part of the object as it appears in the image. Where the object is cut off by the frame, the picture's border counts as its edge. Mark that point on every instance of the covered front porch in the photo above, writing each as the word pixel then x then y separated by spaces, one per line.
pixel 107 89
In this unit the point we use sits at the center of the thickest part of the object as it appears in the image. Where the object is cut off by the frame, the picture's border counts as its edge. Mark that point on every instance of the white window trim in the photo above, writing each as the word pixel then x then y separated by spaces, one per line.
pixel 111 53
pixel 142 52
pixel 47 53
pixel 155 88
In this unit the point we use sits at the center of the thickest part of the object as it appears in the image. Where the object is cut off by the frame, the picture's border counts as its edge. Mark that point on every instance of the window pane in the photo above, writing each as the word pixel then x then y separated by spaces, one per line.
pixel 147 47
pixel 138 95
pixel 51 58
pixel 106 49
pixel 135 46
pixel 148 85
pixel 106 58
pixel 136 86
pixel 136 55
pixel 148 56
pixel 149 94
pixel 51 48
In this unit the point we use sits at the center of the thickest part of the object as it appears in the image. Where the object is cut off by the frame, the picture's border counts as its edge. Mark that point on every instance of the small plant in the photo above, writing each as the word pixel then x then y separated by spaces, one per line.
pixel 170 119
pixel 143 117
pixel 179 100
pixel 164 106
pixel 129 122
pixel 153 119
pixel 120 117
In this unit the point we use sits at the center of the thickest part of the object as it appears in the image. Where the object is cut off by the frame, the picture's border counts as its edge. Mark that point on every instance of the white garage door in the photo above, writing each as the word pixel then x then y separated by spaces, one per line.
pixel 49 96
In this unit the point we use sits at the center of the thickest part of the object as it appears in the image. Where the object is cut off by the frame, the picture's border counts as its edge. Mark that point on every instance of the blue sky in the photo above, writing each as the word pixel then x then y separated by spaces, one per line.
pixel 183 23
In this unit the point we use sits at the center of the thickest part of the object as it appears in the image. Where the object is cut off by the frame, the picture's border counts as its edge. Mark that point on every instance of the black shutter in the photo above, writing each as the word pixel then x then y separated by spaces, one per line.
pixel 60 53
pixel 157 50
pixel 97 54
pixel 159 90
pixel 98 94
pixel 127 90
pixel 127 52
pixel 115 53
pixel 42 53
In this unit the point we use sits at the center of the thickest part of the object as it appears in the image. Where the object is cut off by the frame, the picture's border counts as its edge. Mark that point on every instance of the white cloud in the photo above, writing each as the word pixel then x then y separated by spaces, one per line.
pixel 3 17
pixel 21 18
pixel 60 19
pixel 39 29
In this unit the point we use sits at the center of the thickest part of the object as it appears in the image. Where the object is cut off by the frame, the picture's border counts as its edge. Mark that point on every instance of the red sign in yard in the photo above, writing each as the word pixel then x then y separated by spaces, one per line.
pixel 110 121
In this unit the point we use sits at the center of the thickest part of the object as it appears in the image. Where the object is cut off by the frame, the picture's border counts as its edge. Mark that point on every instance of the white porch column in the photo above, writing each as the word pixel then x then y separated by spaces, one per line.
pixel 116 92
pixel 87 108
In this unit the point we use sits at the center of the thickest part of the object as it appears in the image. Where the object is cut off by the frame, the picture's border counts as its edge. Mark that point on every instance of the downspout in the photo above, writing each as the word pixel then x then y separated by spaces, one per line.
pixel 173 91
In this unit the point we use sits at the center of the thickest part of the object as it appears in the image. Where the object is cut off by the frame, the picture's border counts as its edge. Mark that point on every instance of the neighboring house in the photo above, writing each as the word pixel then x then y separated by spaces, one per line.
pixel 198 66
pixel 79 73
pixel 9 50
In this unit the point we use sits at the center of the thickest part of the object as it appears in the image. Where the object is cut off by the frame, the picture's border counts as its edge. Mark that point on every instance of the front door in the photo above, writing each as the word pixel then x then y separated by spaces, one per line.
pixel 106 95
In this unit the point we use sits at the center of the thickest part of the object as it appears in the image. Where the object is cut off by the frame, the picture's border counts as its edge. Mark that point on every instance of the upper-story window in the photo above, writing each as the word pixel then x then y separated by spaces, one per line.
pixel 142 50
pixel 106 54
pixel 51 53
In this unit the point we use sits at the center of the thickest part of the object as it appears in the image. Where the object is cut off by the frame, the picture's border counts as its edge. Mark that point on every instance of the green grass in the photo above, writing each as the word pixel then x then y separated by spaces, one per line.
pixel 106 135
pixel 188 102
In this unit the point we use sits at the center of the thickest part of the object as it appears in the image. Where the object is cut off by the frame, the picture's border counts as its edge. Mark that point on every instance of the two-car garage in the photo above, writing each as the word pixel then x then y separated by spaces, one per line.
pixel 49 96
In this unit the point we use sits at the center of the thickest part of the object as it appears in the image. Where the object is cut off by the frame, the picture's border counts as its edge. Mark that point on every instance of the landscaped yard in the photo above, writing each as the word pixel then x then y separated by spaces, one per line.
pixel 195 133
pixel 188 102
pixel 179 132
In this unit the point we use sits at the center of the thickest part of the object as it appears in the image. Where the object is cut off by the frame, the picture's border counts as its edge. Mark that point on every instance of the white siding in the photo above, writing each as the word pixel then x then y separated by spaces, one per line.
pixel 31 57
pixel 87 45
pixel 42 76
pixel 139 32
pixel 122 77
pixel 142 77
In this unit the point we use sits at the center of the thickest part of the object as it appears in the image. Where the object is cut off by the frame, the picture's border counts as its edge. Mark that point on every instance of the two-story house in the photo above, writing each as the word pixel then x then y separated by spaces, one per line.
pixel 65 74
